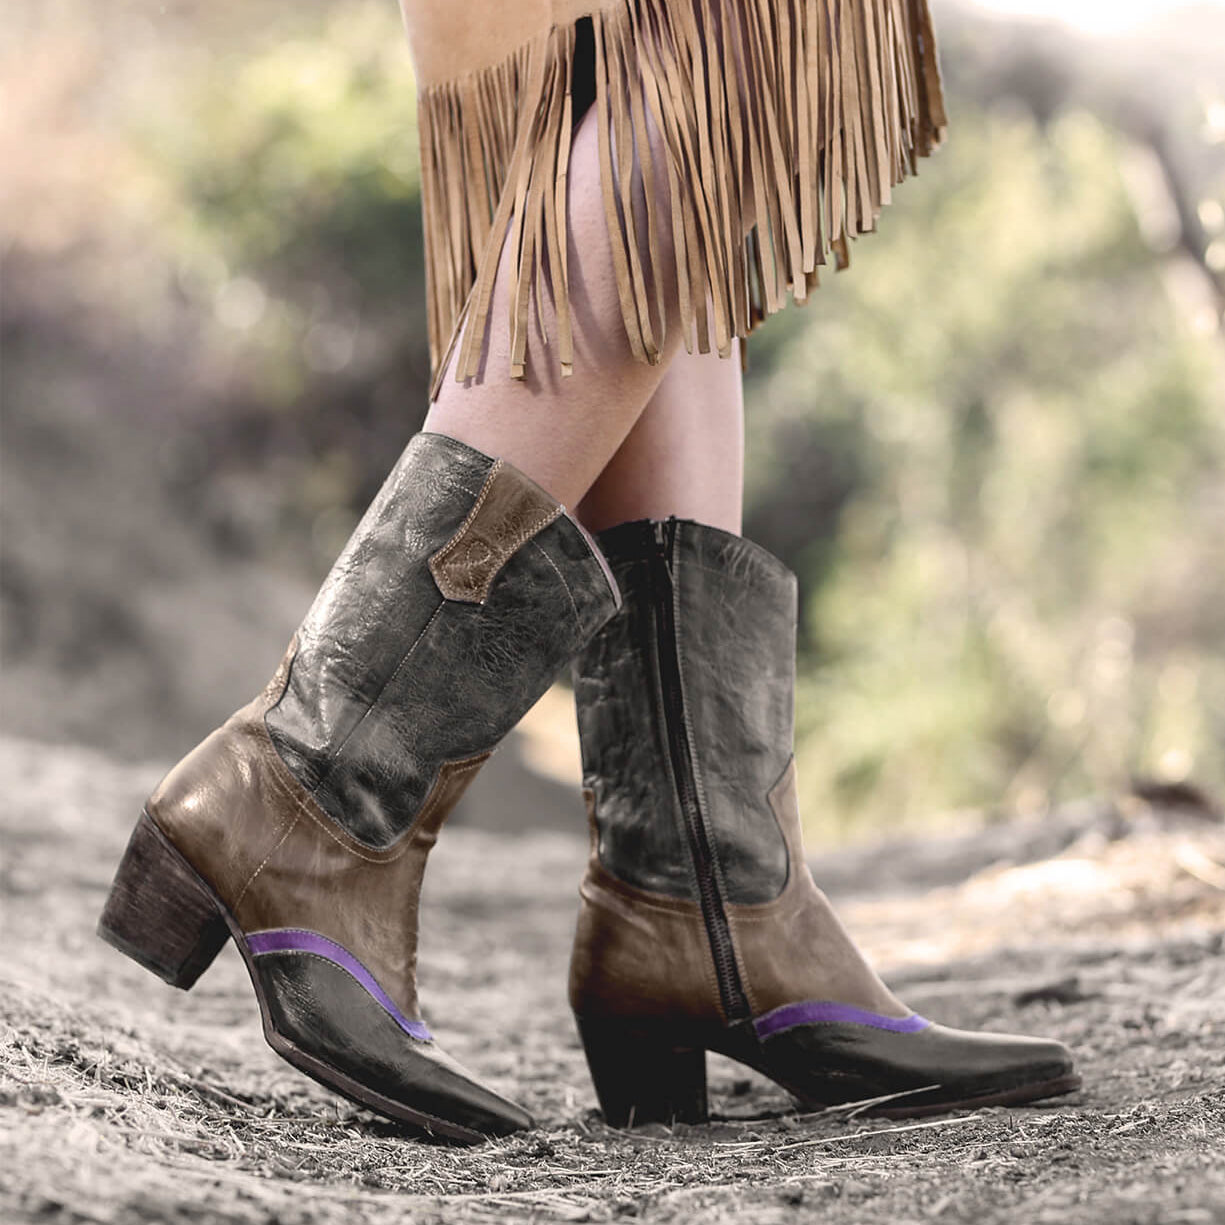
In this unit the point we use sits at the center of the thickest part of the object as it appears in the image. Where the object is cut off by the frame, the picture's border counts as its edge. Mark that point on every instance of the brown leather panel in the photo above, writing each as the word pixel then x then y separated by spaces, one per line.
pixel 642 954
pixel 194 806
pixel 237 814
pixel 364 901
pixel 639 954
pixel 223 807
pixel 795 947
pixel 509 511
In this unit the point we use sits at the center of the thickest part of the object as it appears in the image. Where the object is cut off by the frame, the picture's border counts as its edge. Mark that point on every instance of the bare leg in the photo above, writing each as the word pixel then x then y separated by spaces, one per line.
pixel 562 432
pixel 685 454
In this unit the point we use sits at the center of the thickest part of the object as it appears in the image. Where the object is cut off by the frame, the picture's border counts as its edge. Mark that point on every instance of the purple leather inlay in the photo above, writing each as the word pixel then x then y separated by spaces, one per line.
pixel 814 1012
pixel 297 940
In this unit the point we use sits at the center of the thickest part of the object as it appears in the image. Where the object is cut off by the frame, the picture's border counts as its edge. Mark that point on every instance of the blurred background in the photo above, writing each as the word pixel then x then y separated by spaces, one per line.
pixel 994 451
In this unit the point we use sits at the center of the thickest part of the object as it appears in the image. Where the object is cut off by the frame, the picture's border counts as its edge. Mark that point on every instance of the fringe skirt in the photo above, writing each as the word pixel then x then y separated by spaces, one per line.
pixel 820 107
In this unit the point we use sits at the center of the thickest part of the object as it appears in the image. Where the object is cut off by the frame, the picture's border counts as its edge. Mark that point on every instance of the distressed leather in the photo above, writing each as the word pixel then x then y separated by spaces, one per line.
pixel 639 954
pixel 795 947
pixel 392 677
pixel 238 815
pixel 641 948
pixel 734 612
pixel 509 510
pixel 321 1009
pixel 832 1063
pixel 316 805
pixel 625 758
pixel 642 954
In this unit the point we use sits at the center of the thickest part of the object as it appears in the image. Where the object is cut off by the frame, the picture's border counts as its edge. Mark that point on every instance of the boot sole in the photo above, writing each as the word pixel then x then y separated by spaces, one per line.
pixel 1055 1087
pixel 167 918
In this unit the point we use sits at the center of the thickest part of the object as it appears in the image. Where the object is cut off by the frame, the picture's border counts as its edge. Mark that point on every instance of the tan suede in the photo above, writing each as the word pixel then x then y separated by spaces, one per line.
pixel 452 41
pixel 792 119
pixel 277 860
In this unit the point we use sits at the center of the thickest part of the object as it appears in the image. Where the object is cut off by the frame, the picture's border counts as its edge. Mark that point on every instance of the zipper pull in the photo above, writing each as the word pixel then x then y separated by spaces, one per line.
pixel 660 531
pixel 665 538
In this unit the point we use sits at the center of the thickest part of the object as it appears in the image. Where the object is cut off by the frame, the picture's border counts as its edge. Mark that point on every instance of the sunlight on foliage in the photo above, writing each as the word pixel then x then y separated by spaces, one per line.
pixel 1019 597
pixel 299 181
pixel 994 450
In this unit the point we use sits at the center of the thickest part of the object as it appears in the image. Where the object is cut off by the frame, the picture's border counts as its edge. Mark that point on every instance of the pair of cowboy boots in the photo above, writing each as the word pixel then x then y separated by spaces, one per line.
pixel 301 827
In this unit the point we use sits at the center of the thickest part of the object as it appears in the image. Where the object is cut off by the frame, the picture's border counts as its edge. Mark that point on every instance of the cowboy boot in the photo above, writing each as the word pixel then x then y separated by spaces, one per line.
pixel 701 928
pixel 301 827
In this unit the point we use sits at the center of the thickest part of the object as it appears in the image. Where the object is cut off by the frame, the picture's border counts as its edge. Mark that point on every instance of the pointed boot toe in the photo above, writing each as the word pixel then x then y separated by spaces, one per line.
pixel 326 1016
pixel 701 928
pixel 915 1067
pixel 301 827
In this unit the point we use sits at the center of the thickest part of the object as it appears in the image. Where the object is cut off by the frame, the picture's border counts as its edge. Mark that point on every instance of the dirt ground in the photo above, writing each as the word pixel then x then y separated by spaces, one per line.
pixel 123 1100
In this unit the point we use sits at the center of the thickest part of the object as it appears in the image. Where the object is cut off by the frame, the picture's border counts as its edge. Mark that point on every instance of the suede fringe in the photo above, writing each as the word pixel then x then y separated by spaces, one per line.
pixel 819 106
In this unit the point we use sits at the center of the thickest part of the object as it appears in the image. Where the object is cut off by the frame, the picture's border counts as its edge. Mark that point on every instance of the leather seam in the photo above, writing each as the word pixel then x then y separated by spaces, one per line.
pixel 334 756
pixel 764 912
pixel 557 571
pixel 293 791
pixel 527 533
pixel 280 842
pixel 464 765
pixel 499 556
pixel 859 1024
pixel 640 897
pixel 452 544
pixel 291 654
pixel 306 804
pixel 788 772
pixel 329 962
pixel 407 839
pixel 598 556
pixel 502 555
pixel 285 826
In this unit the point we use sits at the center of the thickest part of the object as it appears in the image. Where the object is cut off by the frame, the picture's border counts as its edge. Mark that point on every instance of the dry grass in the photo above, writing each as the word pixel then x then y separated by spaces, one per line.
pixel 123 1100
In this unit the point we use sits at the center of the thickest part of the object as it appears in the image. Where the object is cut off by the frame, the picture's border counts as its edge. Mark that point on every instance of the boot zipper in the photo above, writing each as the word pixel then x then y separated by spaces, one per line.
pixel 735 1002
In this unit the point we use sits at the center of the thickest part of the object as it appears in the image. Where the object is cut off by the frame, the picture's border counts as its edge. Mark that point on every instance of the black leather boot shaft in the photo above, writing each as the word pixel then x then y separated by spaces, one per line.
pixel 391 677
pixel 702 652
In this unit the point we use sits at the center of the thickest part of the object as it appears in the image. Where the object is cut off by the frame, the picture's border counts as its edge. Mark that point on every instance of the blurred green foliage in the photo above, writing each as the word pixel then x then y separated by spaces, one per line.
pixel 303 160
pixel 1019 596
pixel 994 450
pixel 298 234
